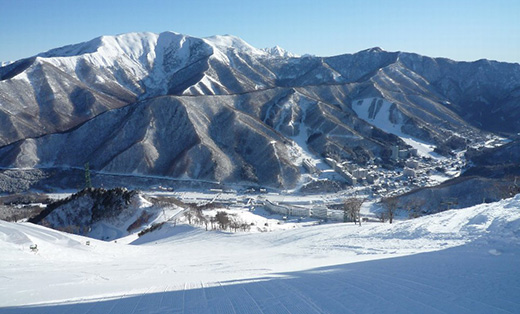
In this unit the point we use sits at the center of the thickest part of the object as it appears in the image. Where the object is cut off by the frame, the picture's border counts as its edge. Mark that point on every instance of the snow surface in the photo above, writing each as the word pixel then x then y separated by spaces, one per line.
pixel 224 42
pixel 381 119
pixel 151 58
pixel 279 52
pixel 458 261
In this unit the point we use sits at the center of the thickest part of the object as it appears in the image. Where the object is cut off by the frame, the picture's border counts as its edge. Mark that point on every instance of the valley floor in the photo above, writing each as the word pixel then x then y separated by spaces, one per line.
pixel 458 261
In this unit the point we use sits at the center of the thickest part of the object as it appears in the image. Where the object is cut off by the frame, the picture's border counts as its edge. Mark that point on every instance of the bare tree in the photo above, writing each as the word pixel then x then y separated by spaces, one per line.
pixel 245 226
pixel 501 189
pixel 413 206
pixel 204 221
pixel 390 204
pixel 235 224
pixel 201 219
pixel 213 221
pixel 222 219
pixel 351 209
pixel 189 215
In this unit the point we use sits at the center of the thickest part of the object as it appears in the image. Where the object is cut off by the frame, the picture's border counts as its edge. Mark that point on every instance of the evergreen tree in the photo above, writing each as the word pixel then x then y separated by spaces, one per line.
pixel 88 183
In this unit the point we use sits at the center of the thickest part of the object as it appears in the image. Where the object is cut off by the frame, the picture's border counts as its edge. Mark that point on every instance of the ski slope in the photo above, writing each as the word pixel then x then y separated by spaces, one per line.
pixel 458 261
pixel 379 112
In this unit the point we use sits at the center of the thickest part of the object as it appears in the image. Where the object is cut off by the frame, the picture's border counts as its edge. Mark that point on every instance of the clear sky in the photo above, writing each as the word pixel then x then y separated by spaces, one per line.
pixel 457 29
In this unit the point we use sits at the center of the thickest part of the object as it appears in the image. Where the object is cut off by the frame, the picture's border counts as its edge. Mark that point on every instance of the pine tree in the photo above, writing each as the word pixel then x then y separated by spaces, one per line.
pixel 88 183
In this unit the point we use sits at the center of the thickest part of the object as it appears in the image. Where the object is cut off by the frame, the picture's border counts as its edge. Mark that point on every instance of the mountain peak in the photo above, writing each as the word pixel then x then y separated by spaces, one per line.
pixel 374 50
pixel 225 42
pixel 278 51
pixel 127 42
pixel 174 104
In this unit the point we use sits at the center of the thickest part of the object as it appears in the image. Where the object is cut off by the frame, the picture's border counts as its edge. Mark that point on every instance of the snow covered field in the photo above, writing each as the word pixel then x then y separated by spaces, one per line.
pixel 459 261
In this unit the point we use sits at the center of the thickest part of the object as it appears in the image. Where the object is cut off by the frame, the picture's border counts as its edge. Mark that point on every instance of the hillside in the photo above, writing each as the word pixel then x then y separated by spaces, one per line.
pixel 218 109
pixel 460 260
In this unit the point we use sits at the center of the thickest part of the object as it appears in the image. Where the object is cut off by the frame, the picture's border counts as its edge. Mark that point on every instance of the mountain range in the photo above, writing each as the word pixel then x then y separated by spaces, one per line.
pixel 218 109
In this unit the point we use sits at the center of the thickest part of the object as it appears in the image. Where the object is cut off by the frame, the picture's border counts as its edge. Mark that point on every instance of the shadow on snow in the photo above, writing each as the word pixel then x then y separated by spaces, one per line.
pixel 465 279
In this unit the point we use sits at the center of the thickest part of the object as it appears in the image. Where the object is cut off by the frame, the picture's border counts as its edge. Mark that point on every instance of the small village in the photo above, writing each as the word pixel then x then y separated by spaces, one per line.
pixel 411 171
pixel 371 183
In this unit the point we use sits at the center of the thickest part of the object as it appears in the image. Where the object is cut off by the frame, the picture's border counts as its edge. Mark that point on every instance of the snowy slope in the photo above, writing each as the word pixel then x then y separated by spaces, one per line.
pixel 458 261
pixel 386 116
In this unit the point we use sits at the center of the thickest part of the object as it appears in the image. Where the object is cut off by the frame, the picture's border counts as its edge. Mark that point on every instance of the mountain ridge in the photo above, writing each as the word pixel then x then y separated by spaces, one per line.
pixel 429 99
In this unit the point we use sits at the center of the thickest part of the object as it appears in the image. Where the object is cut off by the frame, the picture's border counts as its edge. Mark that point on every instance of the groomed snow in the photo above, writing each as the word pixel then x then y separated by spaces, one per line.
pixel 458 261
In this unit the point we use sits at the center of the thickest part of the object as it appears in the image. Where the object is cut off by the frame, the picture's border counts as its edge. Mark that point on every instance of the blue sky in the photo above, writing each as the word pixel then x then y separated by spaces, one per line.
pixel 457 29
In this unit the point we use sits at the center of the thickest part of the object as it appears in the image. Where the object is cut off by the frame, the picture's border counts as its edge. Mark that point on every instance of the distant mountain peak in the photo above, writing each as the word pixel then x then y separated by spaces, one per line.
pixel 224 42
pixel 374 50
pixel 278 51
pixel 4 63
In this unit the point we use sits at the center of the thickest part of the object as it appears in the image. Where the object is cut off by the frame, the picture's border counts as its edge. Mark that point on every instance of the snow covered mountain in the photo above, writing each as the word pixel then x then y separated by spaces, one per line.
pixel 219 109
pixel 99 213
